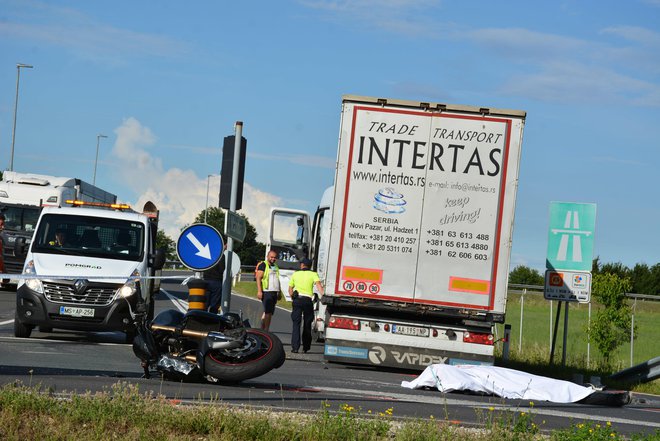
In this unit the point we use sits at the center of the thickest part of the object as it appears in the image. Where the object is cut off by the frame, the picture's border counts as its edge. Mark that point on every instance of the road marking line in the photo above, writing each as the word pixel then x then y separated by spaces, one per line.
pixel 7 322
pixel 444 399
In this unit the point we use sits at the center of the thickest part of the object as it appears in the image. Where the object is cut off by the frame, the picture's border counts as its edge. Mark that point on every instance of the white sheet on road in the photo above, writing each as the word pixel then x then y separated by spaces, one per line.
pixel 503 382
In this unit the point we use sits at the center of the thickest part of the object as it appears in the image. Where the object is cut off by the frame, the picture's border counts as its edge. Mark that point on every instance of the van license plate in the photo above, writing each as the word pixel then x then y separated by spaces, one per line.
pixel 410 330
pixel 76 312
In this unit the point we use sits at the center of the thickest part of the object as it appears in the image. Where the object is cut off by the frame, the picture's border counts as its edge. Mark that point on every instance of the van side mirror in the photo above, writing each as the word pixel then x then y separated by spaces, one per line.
pixel 158 261
pixel 20 247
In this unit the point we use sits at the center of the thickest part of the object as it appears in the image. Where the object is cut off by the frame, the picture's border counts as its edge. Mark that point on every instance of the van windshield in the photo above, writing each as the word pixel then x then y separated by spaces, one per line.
pixel 89 236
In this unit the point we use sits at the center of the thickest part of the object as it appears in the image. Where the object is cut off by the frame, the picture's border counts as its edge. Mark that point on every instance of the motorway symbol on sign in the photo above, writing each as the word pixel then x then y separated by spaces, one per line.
pixel 199 247
pixel 571 236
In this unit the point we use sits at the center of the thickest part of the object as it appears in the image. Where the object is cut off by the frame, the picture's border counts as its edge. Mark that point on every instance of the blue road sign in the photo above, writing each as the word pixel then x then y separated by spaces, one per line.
pixel 199 247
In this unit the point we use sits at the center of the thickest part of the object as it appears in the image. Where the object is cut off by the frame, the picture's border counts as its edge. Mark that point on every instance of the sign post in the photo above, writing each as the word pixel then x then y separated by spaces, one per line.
pixel 569 259
pixel 226 286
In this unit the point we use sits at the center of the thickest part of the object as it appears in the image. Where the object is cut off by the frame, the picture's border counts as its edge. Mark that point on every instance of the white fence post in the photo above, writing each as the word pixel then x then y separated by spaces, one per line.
pixel 522 311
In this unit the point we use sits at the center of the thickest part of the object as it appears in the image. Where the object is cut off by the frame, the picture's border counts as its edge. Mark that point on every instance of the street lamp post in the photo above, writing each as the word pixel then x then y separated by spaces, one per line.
pixel 98 140
pixel 13 133
pixel 206 207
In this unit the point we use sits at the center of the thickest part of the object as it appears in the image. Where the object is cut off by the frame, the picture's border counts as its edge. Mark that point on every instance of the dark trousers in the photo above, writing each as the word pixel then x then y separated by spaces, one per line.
pixel 214 288
pixel 303 310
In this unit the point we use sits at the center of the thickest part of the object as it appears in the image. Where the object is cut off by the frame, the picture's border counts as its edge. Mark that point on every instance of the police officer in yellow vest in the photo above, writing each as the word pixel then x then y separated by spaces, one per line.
pixel 301 289
pixel 267 276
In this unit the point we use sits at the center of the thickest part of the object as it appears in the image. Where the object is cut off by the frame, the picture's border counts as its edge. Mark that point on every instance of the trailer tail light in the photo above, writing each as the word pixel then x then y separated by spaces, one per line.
pixel 475 337
pixel 344 323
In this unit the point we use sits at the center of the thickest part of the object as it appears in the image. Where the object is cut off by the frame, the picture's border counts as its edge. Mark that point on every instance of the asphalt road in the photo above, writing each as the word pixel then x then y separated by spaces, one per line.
pixel 78 362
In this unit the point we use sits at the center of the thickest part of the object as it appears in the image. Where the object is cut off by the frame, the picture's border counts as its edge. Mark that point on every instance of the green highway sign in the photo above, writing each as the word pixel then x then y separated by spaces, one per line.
pixel 571 236
pixel 235 226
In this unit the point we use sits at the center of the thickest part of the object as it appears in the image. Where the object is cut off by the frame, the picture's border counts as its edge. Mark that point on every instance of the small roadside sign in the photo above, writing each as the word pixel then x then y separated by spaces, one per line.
pixel 571 236
pixel 235 262
pixel 568 286
pixel 235 226
pixel 199 247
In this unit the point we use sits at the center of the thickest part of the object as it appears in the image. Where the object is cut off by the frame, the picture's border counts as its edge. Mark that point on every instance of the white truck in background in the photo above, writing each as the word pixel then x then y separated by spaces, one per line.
pixel 412 243
pixel 23 195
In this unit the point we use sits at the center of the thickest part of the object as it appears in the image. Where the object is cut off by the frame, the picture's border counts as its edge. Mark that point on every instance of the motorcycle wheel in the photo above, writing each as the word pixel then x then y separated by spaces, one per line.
pixel 262 352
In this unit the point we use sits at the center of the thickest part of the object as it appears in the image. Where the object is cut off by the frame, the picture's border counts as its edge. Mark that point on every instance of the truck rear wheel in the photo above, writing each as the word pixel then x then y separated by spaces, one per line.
pixel 22 330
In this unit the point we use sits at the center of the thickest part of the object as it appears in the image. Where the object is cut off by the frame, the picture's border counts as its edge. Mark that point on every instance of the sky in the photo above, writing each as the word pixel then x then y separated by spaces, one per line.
pixel 166 81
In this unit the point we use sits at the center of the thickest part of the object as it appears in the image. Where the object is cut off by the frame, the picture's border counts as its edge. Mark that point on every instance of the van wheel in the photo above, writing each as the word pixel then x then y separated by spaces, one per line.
pixel 22 330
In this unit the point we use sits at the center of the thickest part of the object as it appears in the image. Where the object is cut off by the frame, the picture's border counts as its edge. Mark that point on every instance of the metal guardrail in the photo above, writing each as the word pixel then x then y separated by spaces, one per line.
pixel 516 288
pixel 641 373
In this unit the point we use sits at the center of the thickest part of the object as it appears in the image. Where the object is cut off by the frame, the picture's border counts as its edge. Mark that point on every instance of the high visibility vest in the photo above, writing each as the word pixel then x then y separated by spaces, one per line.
pixel 264 279
pixel 303 281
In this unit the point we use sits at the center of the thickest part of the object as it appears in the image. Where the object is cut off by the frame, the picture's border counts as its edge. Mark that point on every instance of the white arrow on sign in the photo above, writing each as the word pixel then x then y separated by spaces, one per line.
pixel 202 250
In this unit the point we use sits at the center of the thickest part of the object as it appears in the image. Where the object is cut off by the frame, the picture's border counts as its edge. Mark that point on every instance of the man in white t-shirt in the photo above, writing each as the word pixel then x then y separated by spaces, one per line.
pixel 267 276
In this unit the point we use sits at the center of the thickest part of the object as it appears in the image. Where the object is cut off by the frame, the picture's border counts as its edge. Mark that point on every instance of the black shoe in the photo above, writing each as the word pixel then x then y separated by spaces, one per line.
pixel 295 351
pixel 305 350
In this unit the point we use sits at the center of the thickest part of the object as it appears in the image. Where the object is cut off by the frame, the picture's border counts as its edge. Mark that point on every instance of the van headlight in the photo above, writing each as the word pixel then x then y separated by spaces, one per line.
pixel 34 284
pixel 130 287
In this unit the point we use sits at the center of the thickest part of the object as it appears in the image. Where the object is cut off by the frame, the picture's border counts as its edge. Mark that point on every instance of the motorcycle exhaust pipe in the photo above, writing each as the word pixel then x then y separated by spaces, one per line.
pixel 184 332
pixel 215 340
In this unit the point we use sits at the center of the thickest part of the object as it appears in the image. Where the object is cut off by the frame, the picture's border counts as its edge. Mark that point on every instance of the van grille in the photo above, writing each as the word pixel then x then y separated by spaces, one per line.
pixel 93 294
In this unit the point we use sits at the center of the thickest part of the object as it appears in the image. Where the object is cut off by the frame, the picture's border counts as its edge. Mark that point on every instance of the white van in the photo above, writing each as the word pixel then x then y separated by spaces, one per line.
pixel 81 257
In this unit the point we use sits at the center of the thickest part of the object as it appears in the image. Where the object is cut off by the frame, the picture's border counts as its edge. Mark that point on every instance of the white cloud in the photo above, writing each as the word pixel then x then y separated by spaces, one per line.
pixel 617 65
pixel 84 35
pixel 569 82
pixel 179 194
pixel 404 17
pixel 310 160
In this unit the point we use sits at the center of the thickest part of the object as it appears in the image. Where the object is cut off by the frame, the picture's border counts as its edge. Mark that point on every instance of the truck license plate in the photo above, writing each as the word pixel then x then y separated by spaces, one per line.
pixel 76 312
pixel 410 330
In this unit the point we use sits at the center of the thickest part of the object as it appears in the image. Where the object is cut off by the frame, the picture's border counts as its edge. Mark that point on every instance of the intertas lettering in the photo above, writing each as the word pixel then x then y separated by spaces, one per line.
pixel 455 158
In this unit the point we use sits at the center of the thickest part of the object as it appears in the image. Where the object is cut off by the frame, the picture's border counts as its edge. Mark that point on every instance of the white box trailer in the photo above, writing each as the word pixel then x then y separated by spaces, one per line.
pixel 419 232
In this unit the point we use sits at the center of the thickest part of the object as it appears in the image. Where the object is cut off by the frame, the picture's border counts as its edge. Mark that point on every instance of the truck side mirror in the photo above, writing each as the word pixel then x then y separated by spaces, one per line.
pixel 159 259
pixel 20 247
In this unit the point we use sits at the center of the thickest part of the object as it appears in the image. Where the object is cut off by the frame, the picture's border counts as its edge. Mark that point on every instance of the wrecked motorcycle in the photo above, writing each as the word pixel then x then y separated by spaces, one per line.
pixel 199 344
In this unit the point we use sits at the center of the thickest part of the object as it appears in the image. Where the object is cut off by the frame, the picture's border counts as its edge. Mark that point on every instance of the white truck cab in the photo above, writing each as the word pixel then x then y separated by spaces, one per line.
pixel 81 257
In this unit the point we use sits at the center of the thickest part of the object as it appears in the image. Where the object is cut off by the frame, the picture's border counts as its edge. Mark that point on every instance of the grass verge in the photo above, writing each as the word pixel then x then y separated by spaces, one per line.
pixel 123 413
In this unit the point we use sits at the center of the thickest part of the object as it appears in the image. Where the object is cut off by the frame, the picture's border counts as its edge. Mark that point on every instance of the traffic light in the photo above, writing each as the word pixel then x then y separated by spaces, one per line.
pixel 227 170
